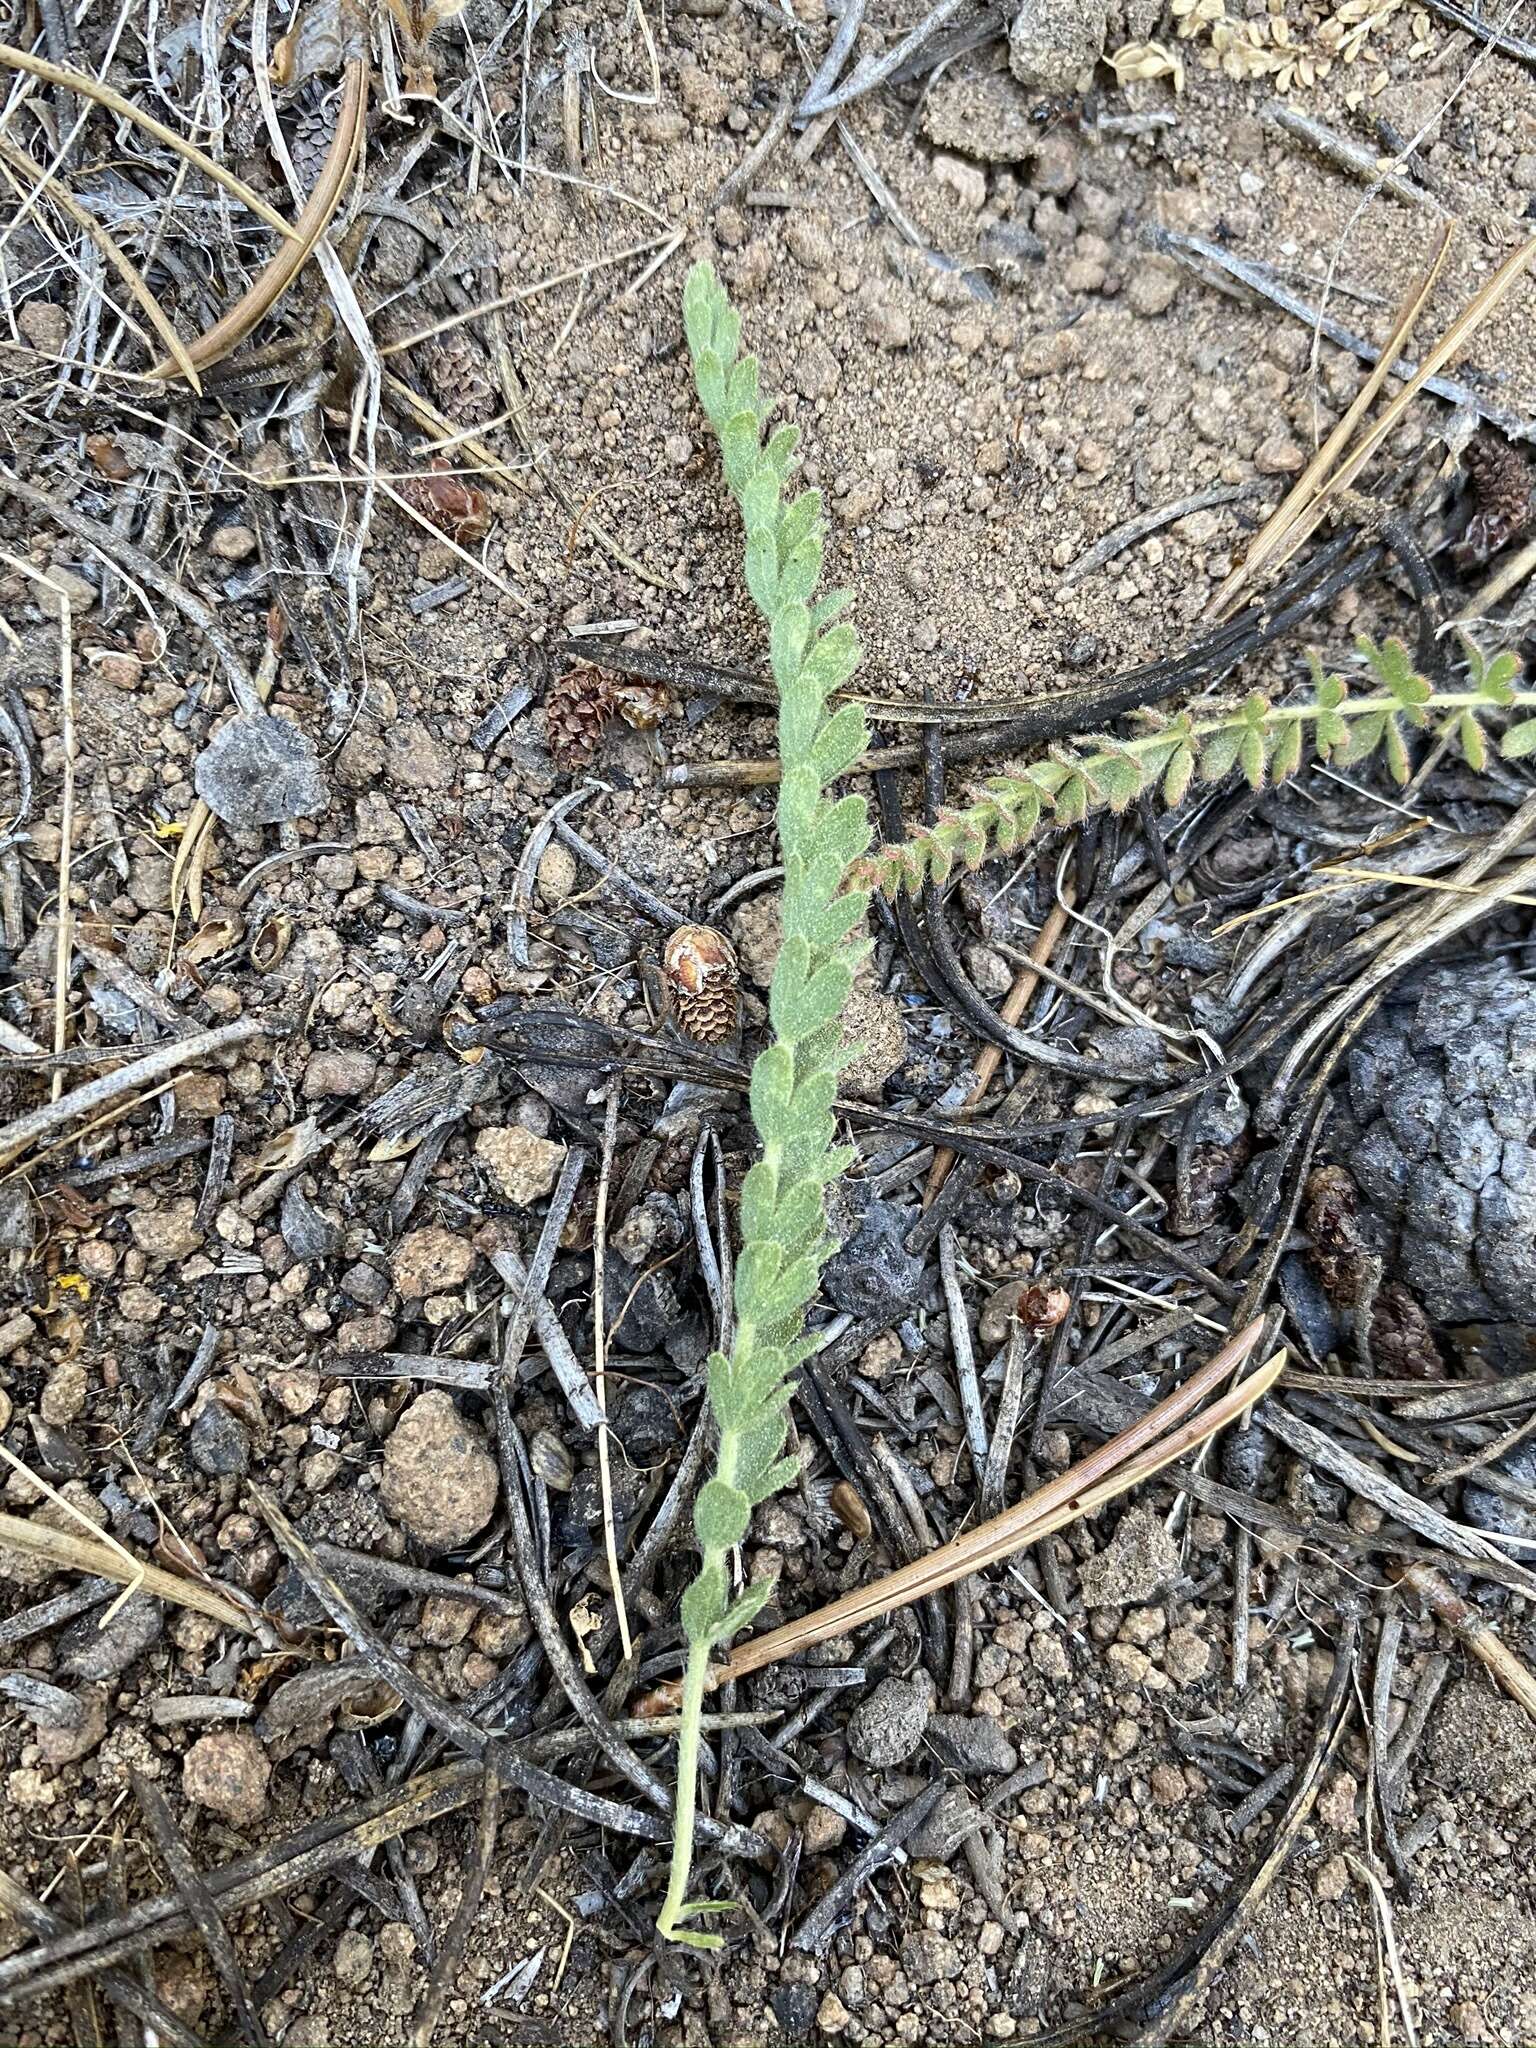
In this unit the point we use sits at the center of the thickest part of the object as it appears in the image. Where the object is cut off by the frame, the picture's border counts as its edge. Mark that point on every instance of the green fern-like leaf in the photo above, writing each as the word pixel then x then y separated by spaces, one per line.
pixel 1255 737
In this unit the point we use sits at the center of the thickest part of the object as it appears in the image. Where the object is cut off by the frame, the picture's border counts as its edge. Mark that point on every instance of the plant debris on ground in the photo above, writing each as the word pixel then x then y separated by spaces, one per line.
pixel 390 895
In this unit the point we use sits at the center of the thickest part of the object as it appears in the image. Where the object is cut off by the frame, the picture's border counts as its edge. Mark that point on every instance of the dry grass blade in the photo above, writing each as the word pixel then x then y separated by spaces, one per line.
pixel 108 1560
pixel 1284 529
pixel 231 329
pixel 1164 1434
pixel 67 203
pixel 92 88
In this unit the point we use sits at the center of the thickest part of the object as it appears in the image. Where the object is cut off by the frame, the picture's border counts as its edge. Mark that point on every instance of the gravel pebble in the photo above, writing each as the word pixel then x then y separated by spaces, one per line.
pixel 430 1261
pixel 353 1964
pixel 227 1771
pixel 439 1478
pixel 523 1166
pixel 1137 1563
pixel 338 1073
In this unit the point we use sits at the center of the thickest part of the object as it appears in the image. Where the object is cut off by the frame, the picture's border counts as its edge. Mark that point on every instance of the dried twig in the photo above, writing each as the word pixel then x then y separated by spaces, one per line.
pixel 155 1067
pixel 200 1904
pixel 600 1364
pixel 1160 1437
pixel 73 1553
pixel 93 88
pixel 1475 1631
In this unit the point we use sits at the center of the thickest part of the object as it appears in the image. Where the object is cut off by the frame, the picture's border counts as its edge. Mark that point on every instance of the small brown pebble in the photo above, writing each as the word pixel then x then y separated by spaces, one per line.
pixel 338 1073
pixel 1332 1879
pixel 439 1478
pixel 1336 1806
pixel 524 1167
pixel 1048 1654
pixel 445 1621
pixel 232 543
pixel 832 2015
pixel 1168 1786
pixel 1279 455
pixel 1187 1657
pixel 430 1261
pixel 354 1959
pixel 63 1399
pixel 227 1771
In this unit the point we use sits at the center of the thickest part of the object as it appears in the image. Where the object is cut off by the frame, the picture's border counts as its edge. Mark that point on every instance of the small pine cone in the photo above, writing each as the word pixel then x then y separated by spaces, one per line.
pixel 577 708
pixel 703 983
pixel 1402 1343
pixel 459 378
pixel 309 144
pixel 1503 494
pixel 1332 1218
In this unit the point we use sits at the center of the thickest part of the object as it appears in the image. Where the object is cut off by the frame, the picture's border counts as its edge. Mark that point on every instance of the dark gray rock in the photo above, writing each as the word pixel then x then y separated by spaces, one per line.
pixel 259 771
pixel 307 1234
pixel 972 1743
pixel 794 2007
pixel 1486 1509
pixel 95 1653
pixel 873 1274
pixel 886 1728
pixel 954 1818
pixel 220 1445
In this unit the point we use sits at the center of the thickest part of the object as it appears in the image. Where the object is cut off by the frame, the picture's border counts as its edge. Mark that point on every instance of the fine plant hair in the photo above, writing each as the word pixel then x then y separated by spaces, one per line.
pixel 784 1237
pixel 1267 742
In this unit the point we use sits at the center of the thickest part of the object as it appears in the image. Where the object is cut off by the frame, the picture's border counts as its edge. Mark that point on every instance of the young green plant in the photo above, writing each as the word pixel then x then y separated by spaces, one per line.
pixel 1267 742
pixel 784 1237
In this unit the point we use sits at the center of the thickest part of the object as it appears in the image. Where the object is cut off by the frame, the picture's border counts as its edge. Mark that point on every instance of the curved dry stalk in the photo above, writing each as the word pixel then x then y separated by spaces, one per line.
pixel 93 89
pixel 230 330
pixel 66 201
pixel 1162 1435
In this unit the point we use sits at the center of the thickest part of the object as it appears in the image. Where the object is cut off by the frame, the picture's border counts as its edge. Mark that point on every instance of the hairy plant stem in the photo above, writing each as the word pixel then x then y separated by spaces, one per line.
pixel 784 1239
pixel 685 1798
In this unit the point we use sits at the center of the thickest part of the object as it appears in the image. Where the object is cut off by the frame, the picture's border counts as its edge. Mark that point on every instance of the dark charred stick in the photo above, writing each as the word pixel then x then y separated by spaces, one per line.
pixel 646 901
pixel 816 1930
pixel 1478 25
pixel 200 1904
pixel 525 1560
pixel 609 1048
pixel 1332 567
pixel 148 572
pixel 450 1720
pixel 429 2010
pixel 79 1952
pixel 33 1621
pixel 127 1165
pixel 220 1151
pixel 123 1990
pixel 843 1441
